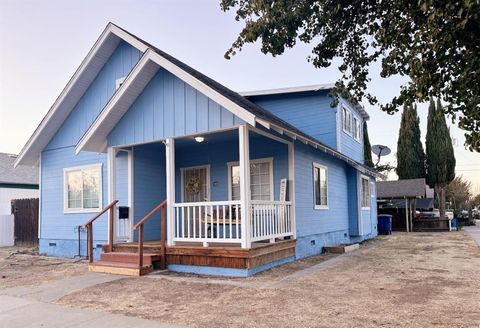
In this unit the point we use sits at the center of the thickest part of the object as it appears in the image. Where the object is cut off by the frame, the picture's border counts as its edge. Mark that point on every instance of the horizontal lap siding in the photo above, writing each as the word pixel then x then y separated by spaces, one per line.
pixel 310 113
pixel 169 107
pixel 55 224
pixel 218 154
pixel 96 96
pixel 309 220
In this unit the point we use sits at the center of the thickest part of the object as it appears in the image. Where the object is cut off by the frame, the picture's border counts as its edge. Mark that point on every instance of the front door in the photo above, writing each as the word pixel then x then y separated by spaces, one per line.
pixel 123 191
pixel 196 184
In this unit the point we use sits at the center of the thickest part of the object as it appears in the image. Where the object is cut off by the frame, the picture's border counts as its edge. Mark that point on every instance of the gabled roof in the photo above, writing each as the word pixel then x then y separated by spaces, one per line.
pixel 74 90
pixel 408 188
pixel 137 79
pixel 22 174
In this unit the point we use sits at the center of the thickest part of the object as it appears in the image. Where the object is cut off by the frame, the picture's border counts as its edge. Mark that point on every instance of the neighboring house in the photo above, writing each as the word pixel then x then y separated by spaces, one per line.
pixel 16 182
pixel 250 181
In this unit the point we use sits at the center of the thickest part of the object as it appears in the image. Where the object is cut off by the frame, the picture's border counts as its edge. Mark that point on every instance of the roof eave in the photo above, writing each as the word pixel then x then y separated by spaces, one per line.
pixel 31 151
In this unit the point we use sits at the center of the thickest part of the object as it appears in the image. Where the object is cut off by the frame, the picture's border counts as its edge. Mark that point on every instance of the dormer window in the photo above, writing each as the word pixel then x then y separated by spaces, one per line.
pixel 356 129
pixel 347 121
pixel 119 82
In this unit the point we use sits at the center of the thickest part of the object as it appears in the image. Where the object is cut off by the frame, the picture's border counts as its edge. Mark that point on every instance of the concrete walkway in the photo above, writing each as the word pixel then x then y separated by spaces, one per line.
pixel 31 307
pixel 16 312
pixel 474 232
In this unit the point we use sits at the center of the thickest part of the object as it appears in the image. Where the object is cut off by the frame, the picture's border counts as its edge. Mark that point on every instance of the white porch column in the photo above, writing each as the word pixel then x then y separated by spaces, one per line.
pixel 111 171
pixel 244 184
pixel 170 180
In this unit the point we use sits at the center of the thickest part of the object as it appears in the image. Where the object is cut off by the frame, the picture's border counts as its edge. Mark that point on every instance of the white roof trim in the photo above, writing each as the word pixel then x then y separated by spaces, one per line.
pixel 95 137
pixel 314 87
pixel 67 99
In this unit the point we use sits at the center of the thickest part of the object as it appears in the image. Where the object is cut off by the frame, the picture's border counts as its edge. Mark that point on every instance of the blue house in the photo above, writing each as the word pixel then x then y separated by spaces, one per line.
pixel 162 164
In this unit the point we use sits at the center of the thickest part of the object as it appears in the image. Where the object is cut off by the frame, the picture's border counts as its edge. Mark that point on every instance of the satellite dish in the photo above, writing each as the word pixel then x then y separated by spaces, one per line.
pixel 380 150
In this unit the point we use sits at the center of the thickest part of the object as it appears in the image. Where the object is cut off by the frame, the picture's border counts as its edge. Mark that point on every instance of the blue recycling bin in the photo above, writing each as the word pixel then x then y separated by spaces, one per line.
pixel 385 224
pixel 454 224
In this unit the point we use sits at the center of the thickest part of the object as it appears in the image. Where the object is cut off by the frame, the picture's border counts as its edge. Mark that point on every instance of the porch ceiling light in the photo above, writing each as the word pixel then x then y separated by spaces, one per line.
pixel 199 139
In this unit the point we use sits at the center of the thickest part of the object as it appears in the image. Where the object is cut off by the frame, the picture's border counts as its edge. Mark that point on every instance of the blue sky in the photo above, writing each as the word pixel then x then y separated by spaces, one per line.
pixel 43 42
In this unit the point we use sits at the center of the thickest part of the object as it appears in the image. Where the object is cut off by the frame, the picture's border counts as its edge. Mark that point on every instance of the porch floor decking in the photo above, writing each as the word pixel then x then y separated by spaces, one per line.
pixel 218 254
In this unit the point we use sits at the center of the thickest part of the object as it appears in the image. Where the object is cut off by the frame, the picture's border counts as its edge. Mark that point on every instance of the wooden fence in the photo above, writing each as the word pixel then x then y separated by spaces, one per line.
pixel 25 213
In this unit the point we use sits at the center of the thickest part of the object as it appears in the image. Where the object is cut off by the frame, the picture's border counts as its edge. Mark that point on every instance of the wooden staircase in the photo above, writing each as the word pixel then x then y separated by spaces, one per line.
pixel 120 259
pixel 125 263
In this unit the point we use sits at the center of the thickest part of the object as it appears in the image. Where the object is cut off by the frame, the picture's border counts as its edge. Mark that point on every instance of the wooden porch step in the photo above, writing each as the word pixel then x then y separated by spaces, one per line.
pixel 129 257
pixel 128 269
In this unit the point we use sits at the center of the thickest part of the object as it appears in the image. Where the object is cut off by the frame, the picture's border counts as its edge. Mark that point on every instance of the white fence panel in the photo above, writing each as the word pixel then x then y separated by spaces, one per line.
pixel 6 230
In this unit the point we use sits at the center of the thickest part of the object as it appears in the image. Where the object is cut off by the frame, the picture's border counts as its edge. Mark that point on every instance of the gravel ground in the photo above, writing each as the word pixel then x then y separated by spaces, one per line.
pixel 407 280
pixel 24 267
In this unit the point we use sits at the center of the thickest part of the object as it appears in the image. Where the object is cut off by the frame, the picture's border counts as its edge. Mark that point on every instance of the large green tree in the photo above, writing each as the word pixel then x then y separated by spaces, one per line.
pixel 440 158
pixel 436 44
pixel 367 148
pixel 410 154
pixel 458 193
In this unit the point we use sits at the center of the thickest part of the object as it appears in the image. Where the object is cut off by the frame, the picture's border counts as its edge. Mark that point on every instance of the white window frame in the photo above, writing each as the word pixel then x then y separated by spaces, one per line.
pixel 208 182
pixel 356 128
pixel 268 160
pixel 364 177
pixel 66 209
pixel 345 111
pixel 319 166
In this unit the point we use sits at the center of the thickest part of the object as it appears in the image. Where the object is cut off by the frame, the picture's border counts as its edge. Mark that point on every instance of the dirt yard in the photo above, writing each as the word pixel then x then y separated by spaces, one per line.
pixel 23 267
pixel 414 280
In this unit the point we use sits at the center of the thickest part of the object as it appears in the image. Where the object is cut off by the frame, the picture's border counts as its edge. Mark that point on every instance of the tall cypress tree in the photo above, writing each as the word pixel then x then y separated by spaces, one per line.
pixel 367 148
pixel 440 156
pixel 410 155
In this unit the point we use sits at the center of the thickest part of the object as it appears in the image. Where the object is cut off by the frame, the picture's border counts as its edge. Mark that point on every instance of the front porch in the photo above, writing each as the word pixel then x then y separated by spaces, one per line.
pixel 227 200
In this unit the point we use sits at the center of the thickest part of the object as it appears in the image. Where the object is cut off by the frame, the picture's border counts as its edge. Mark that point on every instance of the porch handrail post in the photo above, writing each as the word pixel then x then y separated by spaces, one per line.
pixel 244 162
pixel 170 179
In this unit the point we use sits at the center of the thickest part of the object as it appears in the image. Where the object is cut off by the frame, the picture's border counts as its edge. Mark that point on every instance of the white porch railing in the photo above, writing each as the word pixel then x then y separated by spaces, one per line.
pixel 210 222
pixel 270 220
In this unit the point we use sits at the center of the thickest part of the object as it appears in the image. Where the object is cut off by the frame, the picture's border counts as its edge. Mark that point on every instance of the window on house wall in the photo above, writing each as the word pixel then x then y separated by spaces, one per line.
pixel 320 186
pixel 261 180
pixel 347 120
pixel 356 129
pixel 83 188
pixel 365 185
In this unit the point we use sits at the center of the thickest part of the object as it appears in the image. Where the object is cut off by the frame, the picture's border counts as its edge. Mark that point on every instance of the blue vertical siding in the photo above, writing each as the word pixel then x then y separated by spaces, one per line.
pixel 96 97
pixel 169 107
pixel 309 112
pixel 348 145
pixel 58 228
pixel 149 182
pixel 217 153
